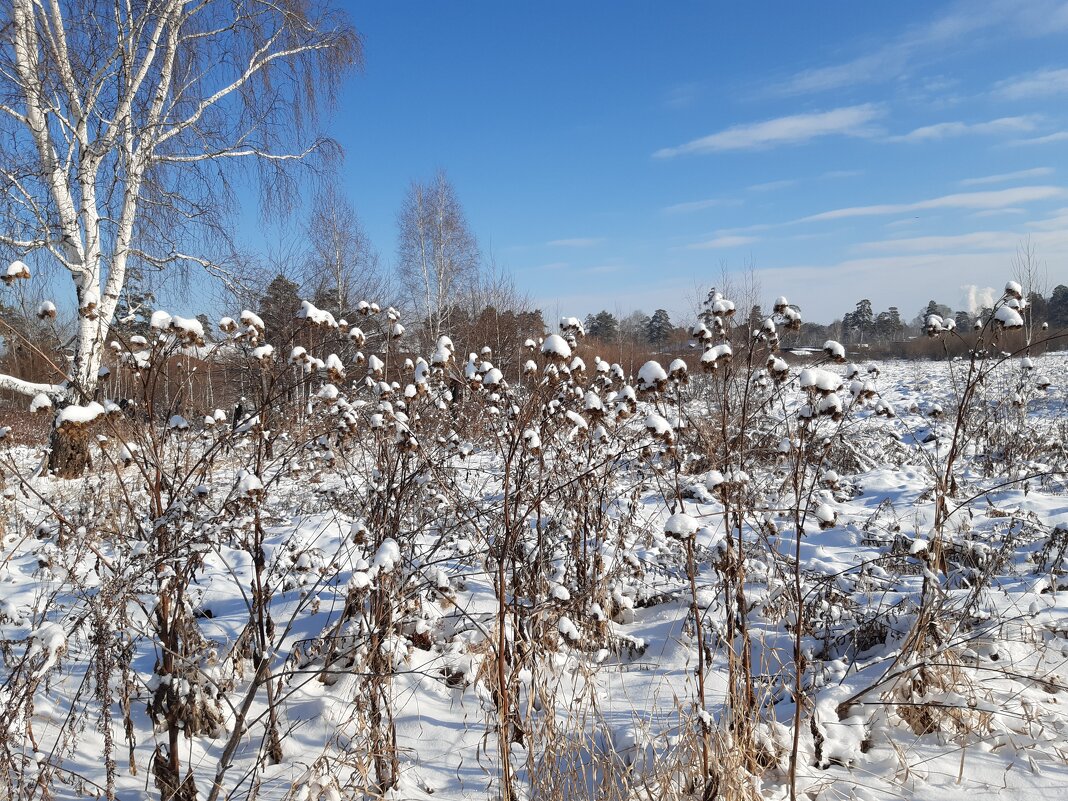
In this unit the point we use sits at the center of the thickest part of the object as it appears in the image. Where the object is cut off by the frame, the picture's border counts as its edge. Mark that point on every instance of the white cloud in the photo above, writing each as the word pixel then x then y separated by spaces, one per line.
pixel 682 96
pixel 794 129
pixel 946 130
pixel 962 25
pixel 1042 83
pixel 963 200
pixel 699 205
pixel 1058 222
pixel 1059 136
pixel 577 242
pixel 772 186
pixel 998 212
pixel 978 240
pixel 724 241
pixel 1006 176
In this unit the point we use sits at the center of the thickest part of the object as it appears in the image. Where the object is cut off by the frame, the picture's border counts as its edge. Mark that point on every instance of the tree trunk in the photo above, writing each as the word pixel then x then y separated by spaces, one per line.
pixel 69 455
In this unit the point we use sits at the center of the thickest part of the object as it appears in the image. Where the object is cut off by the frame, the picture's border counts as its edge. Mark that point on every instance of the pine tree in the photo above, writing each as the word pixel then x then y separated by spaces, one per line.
pixel 278 309
pixel 660 328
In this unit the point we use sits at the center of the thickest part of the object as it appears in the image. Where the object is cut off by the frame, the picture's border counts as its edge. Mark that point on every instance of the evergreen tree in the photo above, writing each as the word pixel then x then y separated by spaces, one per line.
pixel 1057 310
pixel 660 328
pixel 888 325
pixel 860 322
pixel 603 326
pixel 278 308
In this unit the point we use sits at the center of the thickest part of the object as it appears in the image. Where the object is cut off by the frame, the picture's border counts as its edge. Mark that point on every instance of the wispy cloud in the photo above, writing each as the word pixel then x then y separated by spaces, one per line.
pixel 1059 136
pixel 794 129
pixel 929 41
pixel 682 96
pixel 978 240
pixel 700 205
pixel 773 186
pixel 963 200
pixel 998 212
pixel 1042 83
pixel 725 241
pixel 946 130
pixel 577 242
pixel 1035 172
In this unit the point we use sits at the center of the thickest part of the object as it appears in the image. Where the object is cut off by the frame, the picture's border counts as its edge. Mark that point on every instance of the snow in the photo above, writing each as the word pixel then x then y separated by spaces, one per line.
pixel 80 415
pixel 17 269
pixel 316 316
pixel 248 484
pixel 820 380
pixel 716 355
pixel 572 325
pixel 263 352
pixel 253 320
pixel 40 402
pixel 387 557
pixel 1008 317
pixel 611 664
pixel 658 426
pixel 556 346
pixel 187 326
pixel 160 320
pixel 50 641
pixel 651 375
pixel 681 525
pixel 834 349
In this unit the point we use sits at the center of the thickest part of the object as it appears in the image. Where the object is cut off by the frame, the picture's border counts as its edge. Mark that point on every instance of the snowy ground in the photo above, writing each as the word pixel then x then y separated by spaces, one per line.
pixel 997 678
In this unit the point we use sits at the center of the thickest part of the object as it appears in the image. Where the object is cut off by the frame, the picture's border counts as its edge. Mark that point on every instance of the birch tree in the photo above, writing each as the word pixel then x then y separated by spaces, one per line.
pixel 120 122
pixel 437 255
pixel 343 264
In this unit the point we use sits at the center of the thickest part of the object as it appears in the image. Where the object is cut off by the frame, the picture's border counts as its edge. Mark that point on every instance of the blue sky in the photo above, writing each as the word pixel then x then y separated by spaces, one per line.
pixel 623 154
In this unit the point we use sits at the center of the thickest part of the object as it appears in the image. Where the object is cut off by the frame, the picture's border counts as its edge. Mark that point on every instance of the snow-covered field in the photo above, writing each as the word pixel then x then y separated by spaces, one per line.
pixel 530 577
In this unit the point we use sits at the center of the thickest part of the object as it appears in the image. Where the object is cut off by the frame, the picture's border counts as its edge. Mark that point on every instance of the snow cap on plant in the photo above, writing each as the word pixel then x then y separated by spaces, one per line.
pixel 716 356
pixel 680 526
pixel 556 349
pixel 1008 318
pixel 572 329
pixel 16 271
pixel 678 371
pixel 652 377
pixel 835 351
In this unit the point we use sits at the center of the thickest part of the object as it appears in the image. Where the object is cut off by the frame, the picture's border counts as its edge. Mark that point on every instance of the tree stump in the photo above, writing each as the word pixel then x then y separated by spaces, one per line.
pixel 69 456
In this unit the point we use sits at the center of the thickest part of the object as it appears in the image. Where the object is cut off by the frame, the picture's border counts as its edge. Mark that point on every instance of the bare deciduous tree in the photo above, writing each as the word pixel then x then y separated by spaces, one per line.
pixel 343 266
pixel 120 121
pixel 437 255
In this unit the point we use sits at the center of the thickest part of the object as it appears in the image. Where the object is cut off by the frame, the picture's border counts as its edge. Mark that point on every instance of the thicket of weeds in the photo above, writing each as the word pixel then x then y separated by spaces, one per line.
pixel 370 521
